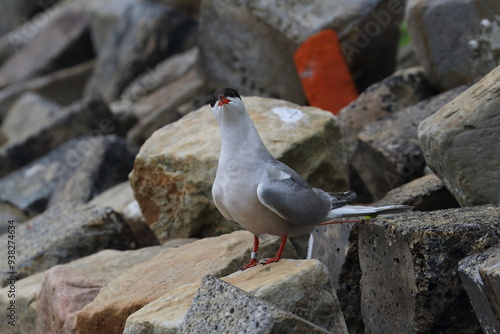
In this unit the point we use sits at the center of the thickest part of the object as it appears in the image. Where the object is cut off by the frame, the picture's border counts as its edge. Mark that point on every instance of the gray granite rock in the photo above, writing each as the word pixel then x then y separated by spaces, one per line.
pixel 455 41
pixel 409 261
pixel 469 271
pixel 490 275
pixel 459 143
pixel 62 234
pixel 73 172
pixel 220 307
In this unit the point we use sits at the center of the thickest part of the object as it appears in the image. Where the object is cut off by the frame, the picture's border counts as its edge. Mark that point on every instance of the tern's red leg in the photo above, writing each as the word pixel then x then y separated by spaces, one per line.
pixel 253 258
pixel 284 237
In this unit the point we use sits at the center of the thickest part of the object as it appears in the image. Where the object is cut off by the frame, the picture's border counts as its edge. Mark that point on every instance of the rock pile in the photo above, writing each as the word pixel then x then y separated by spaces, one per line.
pixel 108 153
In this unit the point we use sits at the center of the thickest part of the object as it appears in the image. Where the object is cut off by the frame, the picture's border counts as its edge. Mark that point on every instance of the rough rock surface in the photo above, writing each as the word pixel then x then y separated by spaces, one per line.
pixel 221 307
pixel 67 288
pixel 490 275
pixel 398 91
pixel 148 281
pixel 172 179
pixel 84 117
pixel 308 280
pixel 426 193
pixel 29 114
pixel 50 238
pixel 409 261
pixel 63 42
pixel 464 135
pixel 337 247
pixel 121 199
pixel 146 33
pixel 469 270
pixel 453 41
pixel 64 86
pixel 26 291
pixel 9 212
pixel 73 172
pixel 389 153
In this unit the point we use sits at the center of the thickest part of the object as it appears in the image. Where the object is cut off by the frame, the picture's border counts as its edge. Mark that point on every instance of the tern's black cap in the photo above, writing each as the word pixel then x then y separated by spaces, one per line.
pixel 226 92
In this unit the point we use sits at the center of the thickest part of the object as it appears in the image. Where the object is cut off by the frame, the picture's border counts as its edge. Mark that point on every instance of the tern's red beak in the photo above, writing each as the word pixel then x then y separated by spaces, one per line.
pixel 223 101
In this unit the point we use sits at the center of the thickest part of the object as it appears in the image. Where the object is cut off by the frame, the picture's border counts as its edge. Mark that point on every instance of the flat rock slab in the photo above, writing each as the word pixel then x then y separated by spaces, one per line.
pixel 409 261
pixel 172 179
pixel 300 287
pixel 172 268
pixel 460 142
pixel 220 307
pixel 50 238
pixel 427 193
pixel 470 273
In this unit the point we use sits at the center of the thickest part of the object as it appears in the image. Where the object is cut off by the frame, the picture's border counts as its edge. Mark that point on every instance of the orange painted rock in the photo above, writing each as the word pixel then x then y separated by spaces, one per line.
pixel 324 73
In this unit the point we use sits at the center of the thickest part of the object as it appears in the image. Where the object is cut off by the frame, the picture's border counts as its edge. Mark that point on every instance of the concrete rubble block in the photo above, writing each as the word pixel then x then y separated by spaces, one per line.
pixel 50 238
pixel 74 172
pixel 172 179
pixel 410 281
pixel 313 297
pixel 220 307
pixel 170 269
pixel 426 193
pixel 459 143
pixel 469 270
pixel 388 152
pixel 456 41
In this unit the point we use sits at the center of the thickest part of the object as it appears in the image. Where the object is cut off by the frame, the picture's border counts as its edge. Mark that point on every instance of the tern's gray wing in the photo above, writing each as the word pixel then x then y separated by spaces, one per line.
pixel 292 198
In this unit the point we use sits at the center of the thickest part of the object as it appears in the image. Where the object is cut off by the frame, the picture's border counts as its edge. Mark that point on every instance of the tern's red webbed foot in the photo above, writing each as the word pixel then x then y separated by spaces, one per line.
pixel 252 263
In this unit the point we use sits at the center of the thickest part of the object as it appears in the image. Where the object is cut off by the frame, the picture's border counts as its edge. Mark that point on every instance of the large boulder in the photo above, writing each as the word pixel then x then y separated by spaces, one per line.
pixel 172 178
pixel 313 298
pixel 455 41
pixel 50 238
pixel 409 261
pixel 368 33
pixel 460 143
pixel 167 271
